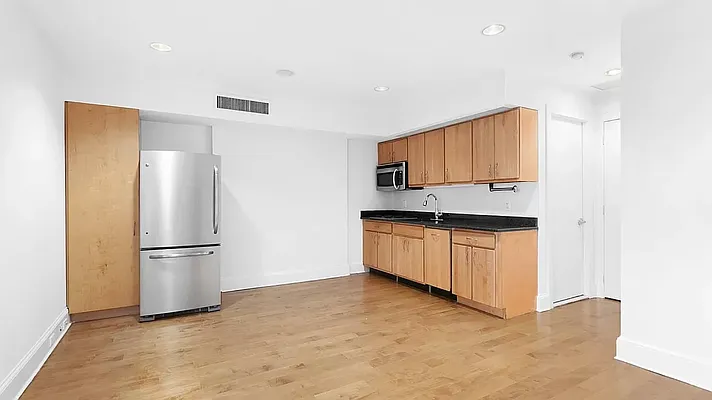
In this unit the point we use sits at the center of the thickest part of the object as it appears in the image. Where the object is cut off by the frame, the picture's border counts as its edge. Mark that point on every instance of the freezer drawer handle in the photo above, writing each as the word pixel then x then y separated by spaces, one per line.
pixel 181 255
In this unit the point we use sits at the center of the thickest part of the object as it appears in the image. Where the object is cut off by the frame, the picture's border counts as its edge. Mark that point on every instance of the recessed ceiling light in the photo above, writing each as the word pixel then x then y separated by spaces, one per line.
pixel 160 47
pixel 381 88
pixel 285 73
pixel 577 55
pixel 494 29
pixel 613 72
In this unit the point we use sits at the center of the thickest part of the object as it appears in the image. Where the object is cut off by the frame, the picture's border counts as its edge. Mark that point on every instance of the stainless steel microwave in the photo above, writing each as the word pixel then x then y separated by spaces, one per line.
pixel 392 177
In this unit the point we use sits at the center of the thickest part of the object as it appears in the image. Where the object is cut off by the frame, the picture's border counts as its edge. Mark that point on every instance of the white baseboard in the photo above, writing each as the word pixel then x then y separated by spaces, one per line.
pixel 543 303
pixel 677 366
pixel 229 284
pixel 357 268
pixel 20 377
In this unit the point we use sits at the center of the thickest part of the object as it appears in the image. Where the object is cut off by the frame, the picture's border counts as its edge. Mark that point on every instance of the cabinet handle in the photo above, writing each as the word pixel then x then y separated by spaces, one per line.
pixel 489 171
pixel 421 177
pixel 496 168
pixel 447 174
pixel 134 229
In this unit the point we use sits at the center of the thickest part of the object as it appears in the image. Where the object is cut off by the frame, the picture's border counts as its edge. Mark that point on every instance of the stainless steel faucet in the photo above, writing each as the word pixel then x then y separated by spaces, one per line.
pixel 438 213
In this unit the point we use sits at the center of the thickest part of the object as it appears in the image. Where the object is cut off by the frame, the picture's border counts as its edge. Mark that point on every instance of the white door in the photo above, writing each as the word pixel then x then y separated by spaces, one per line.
pixel 611 210
pixel 564 199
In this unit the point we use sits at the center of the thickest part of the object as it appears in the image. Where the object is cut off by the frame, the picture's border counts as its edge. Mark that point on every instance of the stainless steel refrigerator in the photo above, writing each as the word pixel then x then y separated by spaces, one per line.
pixel 180 233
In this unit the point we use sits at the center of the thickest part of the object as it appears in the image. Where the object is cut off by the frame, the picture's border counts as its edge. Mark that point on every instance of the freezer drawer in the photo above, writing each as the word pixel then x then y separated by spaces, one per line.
pixel 179 279
pixel 180 199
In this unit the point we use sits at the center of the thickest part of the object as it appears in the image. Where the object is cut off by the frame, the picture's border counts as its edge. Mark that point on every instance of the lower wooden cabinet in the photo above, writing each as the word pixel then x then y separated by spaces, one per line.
pixel 496 273
pixel 370 249
pixel 383 240
pixel 377 248
pixel 437 258
pixel 408 258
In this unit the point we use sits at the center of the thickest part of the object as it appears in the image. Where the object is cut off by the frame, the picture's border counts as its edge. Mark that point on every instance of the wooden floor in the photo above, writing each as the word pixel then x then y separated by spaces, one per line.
pixel 356 337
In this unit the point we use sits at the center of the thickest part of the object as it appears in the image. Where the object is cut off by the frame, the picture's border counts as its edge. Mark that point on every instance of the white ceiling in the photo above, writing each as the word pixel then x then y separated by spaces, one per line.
pixel 339 50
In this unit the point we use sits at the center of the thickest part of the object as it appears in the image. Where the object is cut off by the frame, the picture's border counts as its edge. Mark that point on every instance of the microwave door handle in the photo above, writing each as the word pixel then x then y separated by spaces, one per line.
pixel 394 179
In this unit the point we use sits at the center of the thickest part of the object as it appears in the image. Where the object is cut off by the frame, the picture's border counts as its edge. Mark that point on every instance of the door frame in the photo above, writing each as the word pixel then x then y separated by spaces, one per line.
pixel 603 210
pixel 545 302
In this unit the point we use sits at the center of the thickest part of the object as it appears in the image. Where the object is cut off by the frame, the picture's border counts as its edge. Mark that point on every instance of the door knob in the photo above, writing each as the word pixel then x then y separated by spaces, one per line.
pixel 581 221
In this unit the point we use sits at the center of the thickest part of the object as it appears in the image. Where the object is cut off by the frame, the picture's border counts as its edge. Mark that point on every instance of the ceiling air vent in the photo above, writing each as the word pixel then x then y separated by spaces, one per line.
pixel 252 106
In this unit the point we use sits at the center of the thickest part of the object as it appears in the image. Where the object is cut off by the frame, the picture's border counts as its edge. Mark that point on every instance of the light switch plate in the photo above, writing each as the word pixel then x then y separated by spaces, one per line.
pixel 508 206
pixel 405 204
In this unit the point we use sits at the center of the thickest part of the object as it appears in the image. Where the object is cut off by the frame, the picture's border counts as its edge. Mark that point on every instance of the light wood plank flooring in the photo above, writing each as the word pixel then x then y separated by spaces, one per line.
pixel 356 337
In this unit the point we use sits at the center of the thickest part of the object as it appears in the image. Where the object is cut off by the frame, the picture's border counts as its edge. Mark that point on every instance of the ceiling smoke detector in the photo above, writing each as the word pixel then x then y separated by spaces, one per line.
pixel 285 73
pixel 162 47
pixel 381 88
pixel 577 55
pixel 494 29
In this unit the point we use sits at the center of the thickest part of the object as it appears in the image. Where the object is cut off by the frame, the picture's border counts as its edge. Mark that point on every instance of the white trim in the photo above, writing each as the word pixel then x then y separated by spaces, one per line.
pixel 24 372
pixel 684 368
pixel 569 301
pixel 357 268
pixel 236 283
pixel 543 303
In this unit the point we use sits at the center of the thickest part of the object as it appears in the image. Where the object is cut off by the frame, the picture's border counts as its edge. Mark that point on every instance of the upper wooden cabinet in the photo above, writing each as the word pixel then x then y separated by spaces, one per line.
pixel 497 148
pixel 393 151
pixel 435 157
pixel 416 160
pixel 515 145
pixel 483 149
pixel 385 152
pixel 400 150
pixel 102 157
pixel 458 153
pixel 437 258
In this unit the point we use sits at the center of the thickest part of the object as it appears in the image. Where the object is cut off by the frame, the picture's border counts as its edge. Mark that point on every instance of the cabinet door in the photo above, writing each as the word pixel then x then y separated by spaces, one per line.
pixel 384 252
pixel 483 279
pixel 416 160
pixel 385 153
pixel 458 153
pixel 102 157
pixel 483 149
pixel 399 256
pixel 414 256
pixel 462 271
pixel 370 249
pixel 435 157
pixel 506 145
pixel 400 150
pixel 437 258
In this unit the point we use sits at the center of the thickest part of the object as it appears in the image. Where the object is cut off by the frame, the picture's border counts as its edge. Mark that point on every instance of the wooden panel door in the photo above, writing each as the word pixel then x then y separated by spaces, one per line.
pixel 414 260
pixel 462 271
pixel 435 157
pixel 483 149
pixel 370 249
pixel 385 153
pixel 458 153
pixel 384 252
pixel 483 276
pixel 437 258
pixel 506 145
pixel 416 160
pixel 102 155
pixel 400 150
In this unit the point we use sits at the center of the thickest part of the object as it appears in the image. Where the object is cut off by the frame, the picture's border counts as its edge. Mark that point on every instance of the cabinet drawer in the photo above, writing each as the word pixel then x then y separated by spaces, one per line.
pixel 408 230
pixel 476 239
pixel 373 226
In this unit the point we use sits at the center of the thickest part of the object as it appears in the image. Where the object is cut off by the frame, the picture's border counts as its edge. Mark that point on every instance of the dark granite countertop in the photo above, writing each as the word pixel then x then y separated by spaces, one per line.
pixel 493 223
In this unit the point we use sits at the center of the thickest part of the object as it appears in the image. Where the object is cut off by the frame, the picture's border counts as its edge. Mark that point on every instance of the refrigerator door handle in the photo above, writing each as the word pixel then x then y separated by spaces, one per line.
pixel 181 255
pixel 216 206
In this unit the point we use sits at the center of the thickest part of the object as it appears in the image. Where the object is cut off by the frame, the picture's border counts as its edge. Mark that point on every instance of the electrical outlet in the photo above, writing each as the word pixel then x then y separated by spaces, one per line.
pixel 405 204
pixel 508 206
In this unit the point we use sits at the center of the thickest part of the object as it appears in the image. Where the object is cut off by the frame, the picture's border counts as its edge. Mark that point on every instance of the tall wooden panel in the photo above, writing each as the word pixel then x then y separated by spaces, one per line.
pixel 102 155
pixel 458 153
pixel 435 156
pixel 483 149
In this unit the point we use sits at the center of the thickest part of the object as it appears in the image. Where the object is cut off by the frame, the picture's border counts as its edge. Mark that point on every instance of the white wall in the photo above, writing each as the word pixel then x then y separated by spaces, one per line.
pixel 32 284
pixel 666 305
pixel 178 137
pixel 362 194
pixel 284 204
